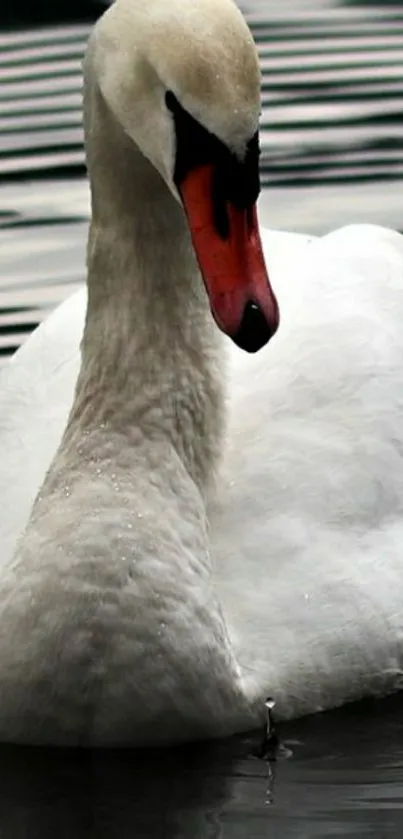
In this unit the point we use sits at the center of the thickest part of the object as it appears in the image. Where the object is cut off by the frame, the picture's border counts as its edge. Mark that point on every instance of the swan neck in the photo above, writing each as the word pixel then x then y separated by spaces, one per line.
pixel 150 347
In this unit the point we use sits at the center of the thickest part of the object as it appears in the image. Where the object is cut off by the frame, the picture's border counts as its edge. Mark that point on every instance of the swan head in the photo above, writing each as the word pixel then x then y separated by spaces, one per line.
pixel 183 81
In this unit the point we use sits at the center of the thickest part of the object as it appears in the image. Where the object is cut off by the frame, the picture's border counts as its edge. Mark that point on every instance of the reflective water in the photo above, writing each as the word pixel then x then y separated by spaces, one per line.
pixel 332 142
pixel 344 778
pixel 331 134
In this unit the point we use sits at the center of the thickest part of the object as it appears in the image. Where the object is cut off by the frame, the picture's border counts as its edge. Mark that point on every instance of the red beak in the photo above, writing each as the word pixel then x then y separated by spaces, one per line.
pixel 233 268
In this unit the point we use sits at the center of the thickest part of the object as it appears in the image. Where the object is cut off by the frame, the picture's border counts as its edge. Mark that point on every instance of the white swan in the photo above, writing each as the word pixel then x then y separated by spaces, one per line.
pixel 187 555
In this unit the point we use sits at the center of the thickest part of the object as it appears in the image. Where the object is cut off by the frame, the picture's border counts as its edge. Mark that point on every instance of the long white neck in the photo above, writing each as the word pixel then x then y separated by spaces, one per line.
pixel 150 347
pixel 121 520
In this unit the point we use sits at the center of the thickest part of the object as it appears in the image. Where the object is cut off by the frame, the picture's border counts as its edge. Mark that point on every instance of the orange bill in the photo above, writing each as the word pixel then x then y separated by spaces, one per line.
pixel 233 268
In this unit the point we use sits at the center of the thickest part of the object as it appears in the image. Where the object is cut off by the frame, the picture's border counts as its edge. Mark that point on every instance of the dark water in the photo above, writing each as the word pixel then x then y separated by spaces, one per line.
pixel 343 778
pixel 332 140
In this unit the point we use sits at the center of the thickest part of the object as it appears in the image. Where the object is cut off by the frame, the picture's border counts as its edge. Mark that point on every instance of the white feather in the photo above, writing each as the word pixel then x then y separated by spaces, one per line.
pixel 183 560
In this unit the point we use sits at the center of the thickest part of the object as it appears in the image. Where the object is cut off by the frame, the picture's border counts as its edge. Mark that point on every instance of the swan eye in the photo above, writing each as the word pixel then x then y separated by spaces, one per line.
pixel 195 145
pixel 233 180
pixel 170 101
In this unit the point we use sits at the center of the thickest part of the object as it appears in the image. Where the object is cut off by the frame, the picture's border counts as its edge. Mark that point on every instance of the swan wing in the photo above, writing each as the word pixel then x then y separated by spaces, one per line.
pixel 36 393
pixel 307 531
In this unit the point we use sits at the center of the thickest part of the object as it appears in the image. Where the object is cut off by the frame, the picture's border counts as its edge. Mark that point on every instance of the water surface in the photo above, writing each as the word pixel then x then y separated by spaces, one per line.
pixel 344 778
pixel 331 135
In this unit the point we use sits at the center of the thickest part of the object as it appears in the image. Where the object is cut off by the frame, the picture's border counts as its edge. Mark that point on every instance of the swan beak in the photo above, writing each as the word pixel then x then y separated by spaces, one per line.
pixel 232 266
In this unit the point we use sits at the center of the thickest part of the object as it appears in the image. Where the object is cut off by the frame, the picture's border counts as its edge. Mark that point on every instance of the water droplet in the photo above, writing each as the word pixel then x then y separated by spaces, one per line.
pixel 139 515
pixel 130 526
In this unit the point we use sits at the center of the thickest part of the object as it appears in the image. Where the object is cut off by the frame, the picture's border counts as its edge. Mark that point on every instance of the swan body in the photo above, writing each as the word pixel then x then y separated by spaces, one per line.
pixel 187 528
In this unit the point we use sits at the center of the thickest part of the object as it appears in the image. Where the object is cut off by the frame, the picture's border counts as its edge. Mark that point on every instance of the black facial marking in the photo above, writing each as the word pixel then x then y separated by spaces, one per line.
pixel 234 181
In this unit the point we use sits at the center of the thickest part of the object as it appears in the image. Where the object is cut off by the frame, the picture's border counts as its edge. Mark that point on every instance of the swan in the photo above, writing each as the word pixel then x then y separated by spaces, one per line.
pixel 191 523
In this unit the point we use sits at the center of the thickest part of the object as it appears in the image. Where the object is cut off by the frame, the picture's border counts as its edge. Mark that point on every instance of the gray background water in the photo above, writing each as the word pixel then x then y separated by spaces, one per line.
pixel 332 140
pixel 332 134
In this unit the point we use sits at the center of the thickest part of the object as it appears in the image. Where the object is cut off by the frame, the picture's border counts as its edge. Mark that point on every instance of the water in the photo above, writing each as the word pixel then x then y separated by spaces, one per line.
pixel 344 778
pixel 332 137
pixel 332 141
